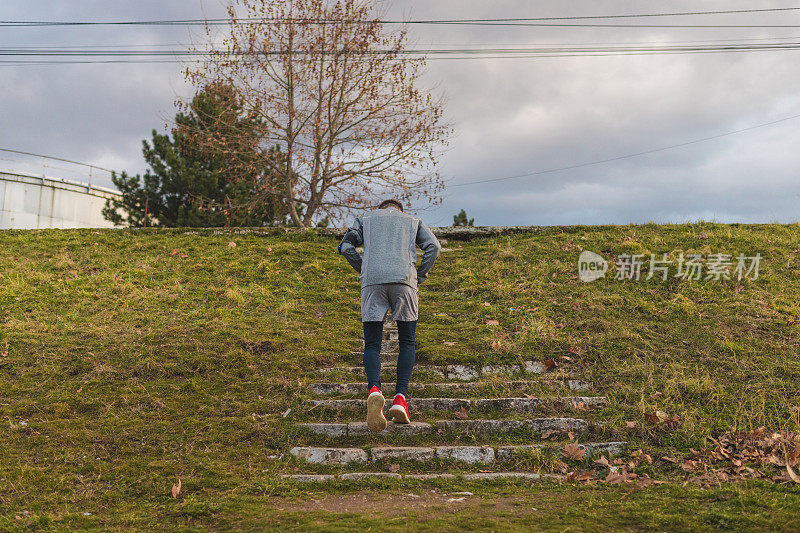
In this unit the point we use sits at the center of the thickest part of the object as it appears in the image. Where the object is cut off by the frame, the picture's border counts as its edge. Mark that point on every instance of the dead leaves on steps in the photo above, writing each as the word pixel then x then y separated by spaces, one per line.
pixel 620 471
pixel 745 455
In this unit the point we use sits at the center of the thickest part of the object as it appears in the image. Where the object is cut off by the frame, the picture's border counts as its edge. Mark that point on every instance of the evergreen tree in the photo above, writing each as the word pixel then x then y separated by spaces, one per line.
pixel 190 186
pixel 461 219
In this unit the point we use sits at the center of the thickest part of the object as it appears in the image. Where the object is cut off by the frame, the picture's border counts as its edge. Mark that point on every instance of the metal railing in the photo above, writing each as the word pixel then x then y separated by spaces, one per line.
pixel 44 159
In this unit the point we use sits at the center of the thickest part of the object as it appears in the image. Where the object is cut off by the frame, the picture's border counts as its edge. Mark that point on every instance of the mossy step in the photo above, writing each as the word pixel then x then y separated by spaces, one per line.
pixel 387 345
pixel 476 476
pixel 352 429
pixel 454 372
pixel 475 427
pixel 521 405
pixel 388 357
pixel 463 454
pixel 328 388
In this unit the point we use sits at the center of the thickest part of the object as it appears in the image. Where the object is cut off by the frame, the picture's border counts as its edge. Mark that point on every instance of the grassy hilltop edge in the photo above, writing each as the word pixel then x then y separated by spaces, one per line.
pixel 131 358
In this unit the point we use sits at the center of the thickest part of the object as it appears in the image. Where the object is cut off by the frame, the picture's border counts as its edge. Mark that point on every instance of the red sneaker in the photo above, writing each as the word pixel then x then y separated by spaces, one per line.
pixel 376 420
pixel 399 410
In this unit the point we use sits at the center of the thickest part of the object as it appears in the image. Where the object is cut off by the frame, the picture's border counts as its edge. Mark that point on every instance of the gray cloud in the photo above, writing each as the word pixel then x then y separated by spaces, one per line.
pixel 512 116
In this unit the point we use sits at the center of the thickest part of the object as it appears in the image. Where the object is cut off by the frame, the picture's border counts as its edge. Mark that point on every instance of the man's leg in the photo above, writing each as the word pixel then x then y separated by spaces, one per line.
pixel 405 309
pixel 376 419
pixel 405 364
pixel 373 331
pixel 405 361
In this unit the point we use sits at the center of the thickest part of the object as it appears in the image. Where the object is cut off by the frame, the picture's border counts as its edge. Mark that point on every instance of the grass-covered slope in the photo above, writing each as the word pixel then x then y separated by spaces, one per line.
pixel 131 358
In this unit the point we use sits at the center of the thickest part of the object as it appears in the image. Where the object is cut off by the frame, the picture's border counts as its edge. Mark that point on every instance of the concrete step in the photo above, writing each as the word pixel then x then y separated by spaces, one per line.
pixel 466 386
pixel 387 346
pixel 519 405
pixel 537 425
pixel 353 429
pixel 474 427
pixel 454 372
pixel 463 454
pixel 389 358
pixel 475 476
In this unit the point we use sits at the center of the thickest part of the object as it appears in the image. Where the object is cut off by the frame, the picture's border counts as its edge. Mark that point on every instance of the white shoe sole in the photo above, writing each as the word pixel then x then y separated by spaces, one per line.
pixel 399 415
pixel 376 420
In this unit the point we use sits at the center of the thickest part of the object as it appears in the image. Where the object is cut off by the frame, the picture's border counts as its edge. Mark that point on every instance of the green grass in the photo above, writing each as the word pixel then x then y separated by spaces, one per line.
pixel 136 357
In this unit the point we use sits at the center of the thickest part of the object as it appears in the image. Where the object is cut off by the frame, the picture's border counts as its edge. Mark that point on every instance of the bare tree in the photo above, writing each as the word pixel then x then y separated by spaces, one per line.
pixel 338 95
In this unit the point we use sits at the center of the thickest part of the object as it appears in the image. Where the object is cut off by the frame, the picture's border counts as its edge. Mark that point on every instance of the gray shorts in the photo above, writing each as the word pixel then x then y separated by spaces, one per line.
pixel 377 299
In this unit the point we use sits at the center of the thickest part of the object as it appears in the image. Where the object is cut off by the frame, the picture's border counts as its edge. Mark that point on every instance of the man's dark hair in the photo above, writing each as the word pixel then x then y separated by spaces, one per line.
pixel 387 203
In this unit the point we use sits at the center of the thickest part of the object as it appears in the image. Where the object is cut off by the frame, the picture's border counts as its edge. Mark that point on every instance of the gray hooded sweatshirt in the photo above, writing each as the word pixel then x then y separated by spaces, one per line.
pixel 390 238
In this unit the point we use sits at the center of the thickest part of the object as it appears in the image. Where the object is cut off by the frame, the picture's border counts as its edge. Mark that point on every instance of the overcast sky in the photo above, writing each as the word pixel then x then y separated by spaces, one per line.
pixel 511 115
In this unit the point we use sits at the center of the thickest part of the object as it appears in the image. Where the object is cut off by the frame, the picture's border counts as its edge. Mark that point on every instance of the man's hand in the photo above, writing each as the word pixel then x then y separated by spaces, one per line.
pixel 352 238
pixel 431 248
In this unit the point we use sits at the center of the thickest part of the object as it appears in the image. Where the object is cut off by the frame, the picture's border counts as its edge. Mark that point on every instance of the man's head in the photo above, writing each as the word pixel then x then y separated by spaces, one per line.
pixel 391 203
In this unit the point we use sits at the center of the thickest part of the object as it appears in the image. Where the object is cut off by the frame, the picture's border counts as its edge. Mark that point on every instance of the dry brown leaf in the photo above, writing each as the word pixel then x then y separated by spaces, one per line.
pixel 550 364
pixel 793 459
pixel 4 353
pixel 449 343
pixel 630 424
pixel 176 489
pixel 580 406
pixel 394 468
pixel 231 244
pixel 463 414
pixel 662 418
pixel 560 466
pixel 656 417
pixel 792 475
pixel 640 455
pixel 492 323
pixel 496 345
pixel 574 451
pixel 549 433
pixel 486 304
pixel 690 465
pixel 603 461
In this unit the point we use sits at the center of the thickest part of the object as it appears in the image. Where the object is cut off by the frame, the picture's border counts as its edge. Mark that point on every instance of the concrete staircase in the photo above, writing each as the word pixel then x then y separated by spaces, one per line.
pixel 497 429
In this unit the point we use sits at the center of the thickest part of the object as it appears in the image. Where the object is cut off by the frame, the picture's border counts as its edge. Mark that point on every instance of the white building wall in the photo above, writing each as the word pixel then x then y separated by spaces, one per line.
pixel 31 202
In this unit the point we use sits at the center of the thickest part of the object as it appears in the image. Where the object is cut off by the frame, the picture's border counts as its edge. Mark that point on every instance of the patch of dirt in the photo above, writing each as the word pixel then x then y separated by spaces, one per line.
pixel 423 503
pixel 261 348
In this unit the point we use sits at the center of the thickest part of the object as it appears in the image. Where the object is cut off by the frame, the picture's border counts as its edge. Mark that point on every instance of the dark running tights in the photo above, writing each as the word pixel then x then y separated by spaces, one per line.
pixel 373 333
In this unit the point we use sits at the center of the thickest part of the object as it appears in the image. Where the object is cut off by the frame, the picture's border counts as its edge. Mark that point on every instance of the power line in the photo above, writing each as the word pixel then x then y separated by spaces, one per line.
pixel 492 44
pixel 628 156
pixel 483 21
pixel 11 63
pixel 29 52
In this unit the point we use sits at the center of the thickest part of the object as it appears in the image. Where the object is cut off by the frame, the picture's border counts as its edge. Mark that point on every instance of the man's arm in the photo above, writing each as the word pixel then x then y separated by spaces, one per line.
pixel 431 248
pixel 352 238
